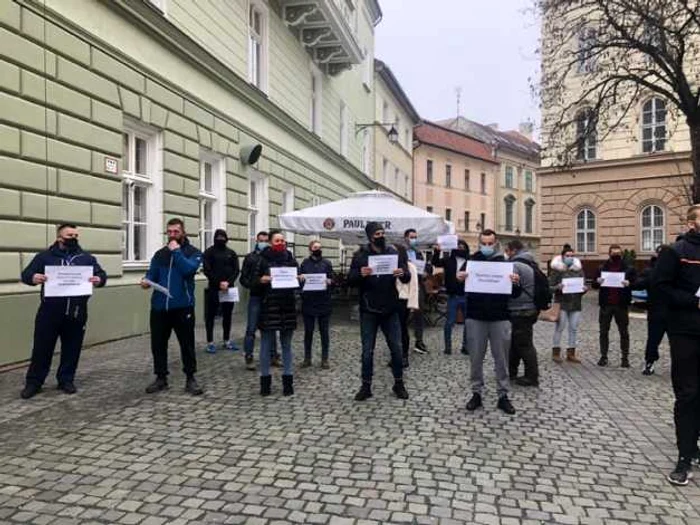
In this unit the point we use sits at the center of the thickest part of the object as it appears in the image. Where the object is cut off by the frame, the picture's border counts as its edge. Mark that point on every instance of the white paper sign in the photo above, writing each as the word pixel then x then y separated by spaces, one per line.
pixel 383 264
pixel 67 281
pixel 447 243
pixel 489 277
pixel 420 266
pixel 284 277
pixel 157 287
pixel 612 279
pixel 315 282
pixel 572 285
pixel 229 296
pixel 697 294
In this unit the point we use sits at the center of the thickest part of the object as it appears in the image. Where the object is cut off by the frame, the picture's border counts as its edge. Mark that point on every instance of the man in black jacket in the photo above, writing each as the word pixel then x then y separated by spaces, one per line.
pixel 316 304
pixel 63 317
pixel 676 284
pixel 379 305
pixel 615 304
pixel 221 269
pixel 453 264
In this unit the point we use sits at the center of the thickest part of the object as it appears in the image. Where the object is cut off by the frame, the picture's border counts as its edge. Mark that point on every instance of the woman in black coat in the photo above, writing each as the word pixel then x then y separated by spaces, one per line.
pixel 277 313
pixel 316 304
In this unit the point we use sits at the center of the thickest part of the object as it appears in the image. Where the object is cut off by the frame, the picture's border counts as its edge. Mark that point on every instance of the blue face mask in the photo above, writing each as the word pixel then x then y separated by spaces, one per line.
pixel 262 245
pixel 413 243
pixel 569 261
pixel 487 251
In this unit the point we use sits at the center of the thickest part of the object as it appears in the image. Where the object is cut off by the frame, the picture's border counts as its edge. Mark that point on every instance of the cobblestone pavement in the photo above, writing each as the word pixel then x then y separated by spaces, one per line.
pixel 590 446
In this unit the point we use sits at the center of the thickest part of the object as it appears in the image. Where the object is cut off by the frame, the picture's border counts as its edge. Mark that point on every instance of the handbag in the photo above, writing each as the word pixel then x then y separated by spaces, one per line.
pixel 551 315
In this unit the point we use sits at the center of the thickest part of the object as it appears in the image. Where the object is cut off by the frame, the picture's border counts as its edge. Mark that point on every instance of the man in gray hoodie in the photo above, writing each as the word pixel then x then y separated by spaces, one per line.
pixel 523 316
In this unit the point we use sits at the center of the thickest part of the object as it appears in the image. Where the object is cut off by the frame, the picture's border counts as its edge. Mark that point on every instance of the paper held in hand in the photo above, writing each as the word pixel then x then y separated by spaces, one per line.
pixel 229 296
pixel 158 288
pixel 447 243
pixel 383 264
pixel 315 282
pixel 612 279
pixel 420 266
pixel 284 277
pixel 67 281
pixel 572 285
pixel 697 294
pixel 489 277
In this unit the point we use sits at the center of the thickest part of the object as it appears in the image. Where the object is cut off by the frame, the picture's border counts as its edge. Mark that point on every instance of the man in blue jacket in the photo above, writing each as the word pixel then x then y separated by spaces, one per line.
pixel 63 317
pixel 173 267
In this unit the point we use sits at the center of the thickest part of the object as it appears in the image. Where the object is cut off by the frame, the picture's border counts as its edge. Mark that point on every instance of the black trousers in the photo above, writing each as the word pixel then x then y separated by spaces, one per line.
pixel 522 347
pixel 323 328
pixel 417 317
pixel 621 314
pixel 404 314
pixel 211 306
pixel 656 328
pixel 163 323
pixel 685 376
pixel 50 324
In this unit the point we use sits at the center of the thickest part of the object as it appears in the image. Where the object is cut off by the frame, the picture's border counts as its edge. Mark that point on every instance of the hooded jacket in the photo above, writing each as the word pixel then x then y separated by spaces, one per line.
pixel 449 264
pixel 220 263
pixel 56 256
pixel 676 282
pixel 378 294
pixel 526 300
pixel 278 308
pixel 489 307
pixel 175 270
pixel 317 303
pixel 570 302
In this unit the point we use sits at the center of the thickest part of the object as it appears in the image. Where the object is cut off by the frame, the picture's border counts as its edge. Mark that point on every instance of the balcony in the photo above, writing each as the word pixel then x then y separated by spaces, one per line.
pixel 327 29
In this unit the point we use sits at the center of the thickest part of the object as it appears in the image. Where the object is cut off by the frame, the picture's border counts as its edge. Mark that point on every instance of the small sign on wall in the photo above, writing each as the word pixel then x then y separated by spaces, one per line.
pixel 111 165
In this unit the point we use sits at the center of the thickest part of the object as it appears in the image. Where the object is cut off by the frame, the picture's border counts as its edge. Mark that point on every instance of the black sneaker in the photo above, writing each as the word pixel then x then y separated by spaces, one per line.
pixel 420 348
pixel 364 393
pixel 405 364
pixel 526 381
pixel 68 387
pixel 464 351
pixel 29 391
pixel 648 369
pixel 505 405
pixel 400 390
pixel 475 402
pixel 624 362
pixel 603 361
pixel 192 387
pixel 448 352
pixel 249 362
pixel 306 363
pixel 157 385
pixel 681 474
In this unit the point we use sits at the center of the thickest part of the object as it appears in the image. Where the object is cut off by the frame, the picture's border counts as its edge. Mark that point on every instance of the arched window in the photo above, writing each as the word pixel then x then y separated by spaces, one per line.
pixel 529 215
pixel 586 135
pixel 585 231
pixel 654 125
pixel 509 202
pixel 653 227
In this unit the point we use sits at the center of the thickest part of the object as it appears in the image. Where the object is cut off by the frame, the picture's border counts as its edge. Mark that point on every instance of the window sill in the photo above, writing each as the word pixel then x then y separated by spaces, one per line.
pixel 135 266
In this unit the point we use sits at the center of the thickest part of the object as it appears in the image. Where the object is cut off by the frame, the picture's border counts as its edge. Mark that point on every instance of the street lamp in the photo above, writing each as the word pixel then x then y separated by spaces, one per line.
pixel 393 133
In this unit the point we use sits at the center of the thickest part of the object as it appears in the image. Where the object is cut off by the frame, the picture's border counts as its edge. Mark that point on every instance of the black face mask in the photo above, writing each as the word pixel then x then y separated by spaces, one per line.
pixel 70 244
pixel 379 243
pixel 317 253
pixel 220 243
pixel 616 258
pixel 461 253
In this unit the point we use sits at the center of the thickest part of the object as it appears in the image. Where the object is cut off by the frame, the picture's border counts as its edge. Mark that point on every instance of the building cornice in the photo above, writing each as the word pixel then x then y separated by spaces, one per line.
pixel 637 160
pixel 147 17
pixel 461 153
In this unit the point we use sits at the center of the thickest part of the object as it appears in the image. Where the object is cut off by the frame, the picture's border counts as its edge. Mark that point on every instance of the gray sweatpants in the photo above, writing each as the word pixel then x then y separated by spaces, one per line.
pixel 497 335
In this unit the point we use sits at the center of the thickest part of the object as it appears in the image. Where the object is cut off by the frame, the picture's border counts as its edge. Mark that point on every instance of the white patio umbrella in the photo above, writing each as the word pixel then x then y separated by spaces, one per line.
pixel 346 219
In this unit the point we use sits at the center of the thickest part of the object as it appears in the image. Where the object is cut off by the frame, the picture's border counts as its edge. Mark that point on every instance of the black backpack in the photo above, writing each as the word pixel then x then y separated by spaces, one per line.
pixel 543 294
pixel 248 270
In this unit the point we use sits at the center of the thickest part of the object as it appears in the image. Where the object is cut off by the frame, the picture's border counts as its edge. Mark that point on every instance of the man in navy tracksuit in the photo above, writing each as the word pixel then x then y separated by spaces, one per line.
pixel 173 267
pixel 63 317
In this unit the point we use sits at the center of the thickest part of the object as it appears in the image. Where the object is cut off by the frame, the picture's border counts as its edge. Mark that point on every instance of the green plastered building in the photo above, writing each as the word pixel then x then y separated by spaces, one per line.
pixel 120 114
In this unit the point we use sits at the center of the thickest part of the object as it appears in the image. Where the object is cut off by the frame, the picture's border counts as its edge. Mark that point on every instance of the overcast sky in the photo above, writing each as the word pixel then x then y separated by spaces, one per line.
pixel 487 47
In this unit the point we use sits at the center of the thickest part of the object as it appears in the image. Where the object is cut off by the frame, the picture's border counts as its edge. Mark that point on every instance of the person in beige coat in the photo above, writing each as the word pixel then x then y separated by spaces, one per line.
pixel 408 300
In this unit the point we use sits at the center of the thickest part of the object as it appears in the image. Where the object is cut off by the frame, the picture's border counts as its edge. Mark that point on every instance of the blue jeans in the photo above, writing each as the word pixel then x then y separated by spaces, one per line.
pixel 454 303
pixel 254 305
pixel 572 319
pixel 369 325
pixel 267 348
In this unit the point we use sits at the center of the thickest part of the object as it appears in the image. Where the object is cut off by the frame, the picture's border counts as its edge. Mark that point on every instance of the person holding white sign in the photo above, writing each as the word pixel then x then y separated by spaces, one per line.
pixel 563 267
pixel 424 269
pixel 221 267
pixel 62 314
pixel 278 310
pixel 488 323
pixel 379 308
pixel 614 300
pixel 317 273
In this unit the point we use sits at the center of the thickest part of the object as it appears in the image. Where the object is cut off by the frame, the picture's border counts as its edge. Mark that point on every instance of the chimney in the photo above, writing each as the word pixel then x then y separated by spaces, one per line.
pixel 493 125
pixel 526 128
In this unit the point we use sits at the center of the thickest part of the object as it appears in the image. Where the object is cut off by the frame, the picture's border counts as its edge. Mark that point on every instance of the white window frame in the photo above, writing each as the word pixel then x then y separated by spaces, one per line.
pixel 531 187
pixel 385 111
pixel 509 205
pixel 406 187
pixel 258 207
pixel 368 70
pixel 397 173
pixel 366 152
pixel 385 171
pixel 587 246
pixel 654 125
pixel 153 182
pixel 344 125
pixel 654 228
pixel 448 175
pixel 263 40
pixel 316 106
pixel 509 180
pixel 216 197
pixel 288 205
pixel 448 214
pixel 586 143
pixel 529 206
pixel 585 62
